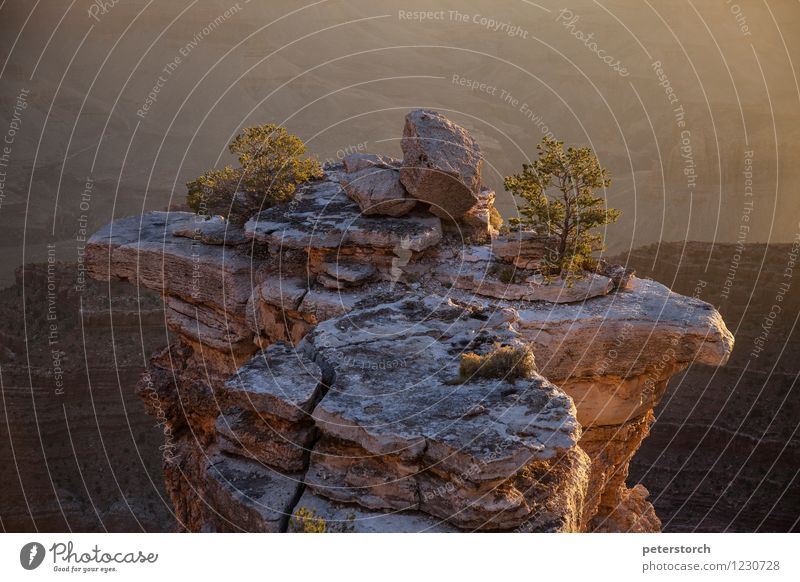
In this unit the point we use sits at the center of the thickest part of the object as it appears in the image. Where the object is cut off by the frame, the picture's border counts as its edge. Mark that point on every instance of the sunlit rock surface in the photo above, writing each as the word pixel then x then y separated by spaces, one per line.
pixel 319 360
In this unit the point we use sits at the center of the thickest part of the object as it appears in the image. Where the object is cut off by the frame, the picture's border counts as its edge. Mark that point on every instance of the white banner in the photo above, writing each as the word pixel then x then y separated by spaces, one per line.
pixel 389 557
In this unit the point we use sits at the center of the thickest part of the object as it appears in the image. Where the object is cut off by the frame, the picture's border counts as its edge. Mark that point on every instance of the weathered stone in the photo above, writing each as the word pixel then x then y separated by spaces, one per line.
pixel 144 250
pixel 350 272
pixel 208 327
pixel 620 276
pixel 625 334
pixel 611 449
pixel 377 381
pixel 283 292
pixel 480 278
pixel 340 518
pixel 277 381
pixel 267 406
pixel 323 217
pixel 322 304
pixel 357 162
pixel 399 434
pixel 272 311
pixel 525 249
pixel 213 231
pixel 441 164
pixel 476 225
pixel 246 496
pixel 378 191
pixel 264 438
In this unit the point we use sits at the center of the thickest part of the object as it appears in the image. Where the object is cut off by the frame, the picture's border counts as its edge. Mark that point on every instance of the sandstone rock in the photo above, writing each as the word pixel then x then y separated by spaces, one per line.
pixel 378 191
pixel 330 282
pixel 322 304
pixel 340 518
pixel 357 162
pixel 524 249
pixel 209 327
pixel 625 334
pixel 278 381
pixel 349 272
pixel 283 292
pixel 376 380
pixel 476 225
pixel 246 496
pixel 611 449
pixel 213 231
pixel 264 438
pixel 398 434
pixel 323 217
pixel 621 276
pixel 144 250
pixel 267 406
pixel 441 164
pixel 479 277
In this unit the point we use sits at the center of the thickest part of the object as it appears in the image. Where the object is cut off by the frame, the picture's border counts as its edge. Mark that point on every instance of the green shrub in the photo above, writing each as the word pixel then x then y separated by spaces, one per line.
pixel 507 363
pixel 558 189
pixel 271 167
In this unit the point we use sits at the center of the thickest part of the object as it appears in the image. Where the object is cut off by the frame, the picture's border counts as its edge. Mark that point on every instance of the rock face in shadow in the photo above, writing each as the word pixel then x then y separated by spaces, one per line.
pixel 330 372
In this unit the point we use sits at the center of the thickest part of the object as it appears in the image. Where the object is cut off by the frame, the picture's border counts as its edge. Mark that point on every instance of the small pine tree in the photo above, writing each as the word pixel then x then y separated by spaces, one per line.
pixel 572 211
pixel 272 166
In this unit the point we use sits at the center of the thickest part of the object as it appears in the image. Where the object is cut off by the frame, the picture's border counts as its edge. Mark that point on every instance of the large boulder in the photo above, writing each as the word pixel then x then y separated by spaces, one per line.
pixel 377 190
pixel 441 164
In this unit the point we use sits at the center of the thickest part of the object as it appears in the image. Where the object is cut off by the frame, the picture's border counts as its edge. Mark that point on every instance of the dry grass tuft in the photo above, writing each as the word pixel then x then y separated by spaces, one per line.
pixel 506 363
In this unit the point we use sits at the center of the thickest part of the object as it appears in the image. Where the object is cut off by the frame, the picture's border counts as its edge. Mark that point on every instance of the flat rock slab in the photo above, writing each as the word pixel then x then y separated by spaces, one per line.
pixel 625 333
pixel 523 248
pixel 247 496
pixel 282 292
pixel 144 249
pixel 323 217
pixel 322 304
pixel 349 272
pixel 266 408
pixel 478 276
pixel 395 422
pixel 213 231
pixel 278 381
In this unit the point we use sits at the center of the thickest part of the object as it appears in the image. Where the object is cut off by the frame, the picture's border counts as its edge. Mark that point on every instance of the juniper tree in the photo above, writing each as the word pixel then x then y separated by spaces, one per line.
pixel 271 167
pixel 559 193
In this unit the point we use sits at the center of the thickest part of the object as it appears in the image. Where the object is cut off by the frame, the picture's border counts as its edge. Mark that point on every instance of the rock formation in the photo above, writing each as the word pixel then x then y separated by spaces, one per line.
pixel 441 164
pixel 314 378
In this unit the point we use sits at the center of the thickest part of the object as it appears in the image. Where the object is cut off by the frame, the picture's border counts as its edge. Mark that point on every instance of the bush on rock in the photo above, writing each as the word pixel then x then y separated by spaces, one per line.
pixel 272 165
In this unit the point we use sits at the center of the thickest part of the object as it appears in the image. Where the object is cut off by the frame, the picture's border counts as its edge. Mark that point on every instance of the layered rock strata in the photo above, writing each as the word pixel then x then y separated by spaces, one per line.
pixel 314 377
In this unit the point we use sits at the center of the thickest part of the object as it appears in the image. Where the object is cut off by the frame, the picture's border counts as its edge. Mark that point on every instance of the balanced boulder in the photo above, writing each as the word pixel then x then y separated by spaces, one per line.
pixel 377 190
pixel 441 164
